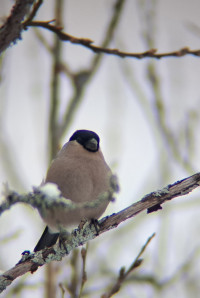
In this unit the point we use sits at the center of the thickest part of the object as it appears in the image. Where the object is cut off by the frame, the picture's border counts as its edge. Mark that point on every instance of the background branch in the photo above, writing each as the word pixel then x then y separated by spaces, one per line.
pixel 123 274
pixel 88 43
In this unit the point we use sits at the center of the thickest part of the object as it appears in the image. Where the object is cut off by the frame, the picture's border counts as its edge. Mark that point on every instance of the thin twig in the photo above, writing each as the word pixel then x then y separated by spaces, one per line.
pixel 54 138
pixel 44 42
pixel 114 21
pixel 167 133
pixel 33 13
pixel 74 278
pixel 88 43
pixel 123 274
pixel 84 273
pixel 62 290
pixel 159 284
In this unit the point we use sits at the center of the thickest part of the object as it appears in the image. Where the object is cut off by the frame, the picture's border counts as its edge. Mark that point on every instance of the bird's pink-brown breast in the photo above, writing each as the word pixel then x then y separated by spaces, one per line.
pixel 81 176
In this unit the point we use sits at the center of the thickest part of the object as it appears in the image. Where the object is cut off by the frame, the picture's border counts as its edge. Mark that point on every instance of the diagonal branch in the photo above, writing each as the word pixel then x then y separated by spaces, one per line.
pixel 31 261
pixel 11 30
pixel 123 274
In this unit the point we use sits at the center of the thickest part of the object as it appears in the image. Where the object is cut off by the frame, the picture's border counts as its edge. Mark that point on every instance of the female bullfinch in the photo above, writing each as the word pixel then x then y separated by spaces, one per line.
pixel 82 175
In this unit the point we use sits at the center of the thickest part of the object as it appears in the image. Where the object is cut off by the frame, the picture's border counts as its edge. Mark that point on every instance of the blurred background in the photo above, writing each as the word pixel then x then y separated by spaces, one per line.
pixel 147 115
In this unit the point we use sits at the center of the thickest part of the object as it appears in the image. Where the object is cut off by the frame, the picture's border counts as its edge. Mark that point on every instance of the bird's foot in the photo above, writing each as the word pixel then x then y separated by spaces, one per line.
pixel 96 225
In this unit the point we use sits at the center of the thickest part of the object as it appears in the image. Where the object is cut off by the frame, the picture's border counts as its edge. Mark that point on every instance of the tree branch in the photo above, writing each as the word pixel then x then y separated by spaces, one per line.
pixel 11 30
pixel 151 202
pixel 88 43
pixel 123 274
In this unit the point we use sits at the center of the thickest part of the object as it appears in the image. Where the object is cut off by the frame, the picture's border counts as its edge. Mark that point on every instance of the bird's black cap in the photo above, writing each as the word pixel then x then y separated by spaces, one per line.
pixel 87 138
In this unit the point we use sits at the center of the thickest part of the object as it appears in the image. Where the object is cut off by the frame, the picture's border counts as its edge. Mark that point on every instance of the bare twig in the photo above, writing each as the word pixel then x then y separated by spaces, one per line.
pixel 8 162
pixel 83 234
pixel 123 274
pixel 44 42
pixel 159 109
pixel 72 287
pixel 88 43
pixel 54 137
pixel 166 132
pixel 84 273
pixel 117 12
pixel 158 283
pixel 34 11
pixel 62 290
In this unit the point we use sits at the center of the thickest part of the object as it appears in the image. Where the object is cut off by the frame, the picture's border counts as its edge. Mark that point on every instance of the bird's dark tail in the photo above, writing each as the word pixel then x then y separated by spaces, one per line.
pixel 47 239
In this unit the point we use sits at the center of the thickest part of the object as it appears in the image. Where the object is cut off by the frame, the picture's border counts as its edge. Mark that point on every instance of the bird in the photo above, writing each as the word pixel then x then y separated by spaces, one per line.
pixel 82 175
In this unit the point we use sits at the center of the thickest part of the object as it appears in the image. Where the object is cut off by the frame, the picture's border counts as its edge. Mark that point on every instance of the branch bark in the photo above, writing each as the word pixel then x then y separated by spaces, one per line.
pixel 11 30
pixel 152 202
pixel 88 43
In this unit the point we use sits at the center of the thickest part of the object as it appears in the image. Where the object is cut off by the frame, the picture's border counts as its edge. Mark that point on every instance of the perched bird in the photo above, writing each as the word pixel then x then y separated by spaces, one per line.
pixel 82 175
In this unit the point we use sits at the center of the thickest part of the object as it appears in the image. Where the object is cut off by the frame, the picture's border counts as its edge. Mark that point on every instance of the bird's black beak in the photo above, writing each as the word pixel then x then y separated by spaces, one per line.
pixel 92 145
